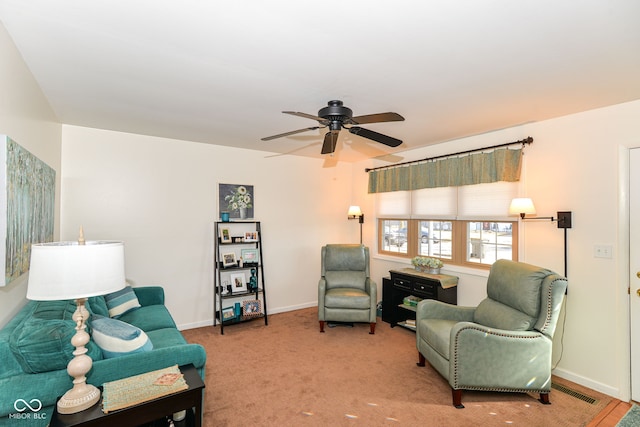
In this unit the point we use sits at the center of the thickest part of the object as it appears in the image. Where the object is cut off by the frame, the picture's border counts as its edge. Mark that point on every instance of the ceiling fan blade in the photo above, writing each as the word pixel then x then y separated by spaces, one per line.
pixel 305 115
pixel 375 136
pixel 377 118
pixel 329 144
pixel 293 132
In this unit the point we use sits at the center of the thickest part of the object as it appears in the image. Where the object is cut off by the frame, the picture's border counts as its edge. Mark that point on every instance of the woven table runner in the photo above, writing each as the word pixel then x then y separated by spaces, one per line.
pixel 446 281
pixel 142 388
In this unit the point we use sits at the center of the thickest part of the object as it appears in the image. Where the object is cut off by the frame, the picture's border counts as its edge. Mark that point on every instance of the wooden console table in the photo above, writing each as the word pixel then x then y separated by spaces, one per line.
pixel 410 282
pixel 144 412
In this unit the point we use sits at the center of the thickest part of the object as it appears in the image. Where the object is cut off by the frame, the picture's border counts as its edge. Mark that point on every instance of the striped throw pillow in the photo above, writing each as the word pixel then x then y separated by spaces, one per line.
pixel 117 338
pixel 121 302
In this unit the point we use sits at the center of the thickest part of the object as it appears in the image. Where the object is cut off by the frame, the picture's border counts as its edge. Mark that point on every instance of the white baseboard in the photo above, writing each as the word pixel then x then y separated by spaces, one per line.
pixel 293 307
pixel 194 325
pixel 588 382
pixel 209 322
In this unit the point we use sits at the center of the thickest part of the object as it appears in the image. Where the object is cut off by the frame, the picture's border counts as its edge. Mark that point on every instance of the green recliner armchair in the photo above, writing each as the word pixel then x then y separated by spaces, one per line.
pixel 504 344
pixel 346 293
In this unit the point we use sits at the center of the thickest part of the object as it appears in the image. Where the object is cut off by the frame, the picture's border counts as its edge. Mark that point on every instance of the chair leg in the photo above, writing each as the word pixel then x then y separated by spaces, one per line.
pixel 372 328
pixel 544 399
pixel 421 360
pixel 322 326
pixel 457 398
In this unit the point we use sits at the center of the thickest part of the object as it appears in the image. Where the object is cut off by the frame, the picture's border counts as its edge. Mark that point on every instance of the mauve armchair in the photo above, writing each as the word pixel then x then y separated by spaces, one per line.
pixel 504 344
pixel 346 293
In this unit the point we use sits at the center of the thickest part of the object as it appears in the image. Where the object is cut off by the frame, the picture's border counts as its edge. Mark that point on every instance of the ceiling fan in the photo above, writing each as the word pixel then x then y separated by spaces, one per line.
pixel 335 115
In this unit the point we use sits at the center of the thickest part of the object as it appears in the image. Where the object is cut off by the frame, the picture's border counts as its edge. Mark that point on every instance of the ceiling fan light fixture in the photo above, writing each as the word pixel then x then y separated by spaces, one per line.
pixel 335 115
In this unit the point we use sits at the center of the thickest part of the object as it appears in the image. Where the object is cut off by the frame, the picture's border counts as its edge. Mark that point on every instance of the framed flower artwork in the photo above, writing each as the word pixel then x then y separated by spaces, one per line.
pixel 238 200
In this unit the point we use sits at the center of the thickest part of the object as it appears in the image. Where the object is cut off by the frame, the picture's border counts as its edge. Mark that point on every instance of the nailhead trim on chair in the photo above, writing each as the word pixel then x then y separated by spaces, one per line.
pixel 549 306
pixel 455 355
pixel 514 390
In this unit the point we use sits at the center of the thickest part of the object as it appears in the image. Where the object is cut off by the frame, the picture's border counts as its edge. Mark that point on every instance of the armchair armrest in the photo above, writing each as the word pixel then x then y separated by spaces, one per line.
pixel 434 309
pixel 484 358
pixel 372 289
pixel 150 295
pixel 322 289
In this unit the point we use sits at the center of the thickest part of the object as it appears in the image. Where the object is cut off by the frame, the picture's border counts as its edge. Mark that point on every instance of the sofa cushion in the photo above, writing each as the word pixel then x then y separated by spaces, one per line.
pixel 497 315
pixel 117 338
pixel 149 318
pixel 121 302
pixel 168 337
pixel 97 305
pixel 42 341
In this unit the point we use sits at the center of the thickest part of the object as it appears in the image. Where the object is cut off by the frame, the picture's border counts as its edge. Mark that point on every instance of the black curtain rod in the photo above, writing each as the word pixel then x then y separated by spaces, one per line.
pixel 527 140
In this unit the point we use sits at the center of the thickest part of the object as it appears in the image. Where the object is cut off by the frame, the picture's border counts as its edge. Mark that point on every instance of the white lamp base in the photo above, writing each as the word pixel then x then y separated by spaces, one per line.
pixel 82 396
pixel 78 399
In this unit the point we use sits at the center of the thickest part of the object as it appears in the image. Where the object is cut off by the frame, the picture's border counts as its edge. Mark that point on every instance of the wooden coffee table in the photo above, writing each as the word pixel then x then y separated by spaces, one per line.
pixel 144 412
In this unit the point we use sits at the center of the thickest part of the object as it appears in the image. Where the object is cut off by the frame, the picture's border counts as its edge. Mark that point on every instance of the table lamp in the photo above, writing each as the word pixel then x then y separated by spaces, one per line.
pixel 76 270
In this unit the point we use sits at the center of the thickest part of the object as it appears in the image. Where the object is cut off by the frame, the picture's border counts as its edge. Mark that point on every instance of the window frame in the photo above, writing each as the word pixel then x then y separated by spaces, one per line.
pixel 459 239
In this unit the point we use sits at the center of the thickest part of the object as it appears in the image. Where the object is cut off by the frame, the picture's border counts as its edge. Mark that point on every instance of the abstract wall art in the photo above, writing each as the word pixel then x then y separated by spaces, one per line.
pixel 27 206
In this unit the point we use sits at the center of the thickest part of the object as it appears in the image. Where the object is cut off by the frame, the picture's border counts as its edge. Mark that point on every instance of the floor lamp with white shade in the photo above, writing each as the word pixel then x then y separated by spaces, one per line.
pixel 76 270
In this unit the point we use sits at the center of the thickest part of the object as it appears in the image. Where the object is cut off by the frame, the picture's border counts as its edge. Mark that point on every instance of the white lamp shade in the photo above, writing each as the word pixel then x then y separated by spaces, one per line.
pixel 354 211
pixel 68 270
pixel 522 205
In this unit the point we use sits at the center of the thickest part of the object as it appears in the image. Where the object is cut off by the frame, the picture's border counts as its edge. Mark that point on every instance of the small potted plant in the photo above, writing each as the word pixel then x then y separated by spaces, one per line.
pixel 427 264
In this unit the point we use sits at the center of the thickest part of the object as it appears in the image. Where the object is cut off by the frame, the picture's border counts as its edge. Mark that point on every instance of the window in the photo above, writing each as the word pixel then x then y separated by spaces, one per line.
pixel 451 207
pixel 465 225
pixel 474 243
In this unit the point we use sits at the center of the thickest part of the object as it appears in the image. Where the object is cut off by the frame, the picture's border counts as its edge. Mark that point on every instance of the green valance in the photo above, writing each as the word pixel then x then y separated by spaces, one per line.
pixel 477 168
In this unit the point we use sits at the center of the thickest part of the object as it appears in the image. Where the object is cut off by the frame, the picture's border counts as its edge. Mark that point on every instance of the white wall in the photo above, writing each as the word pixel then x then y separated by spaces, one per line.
pixel 25 116
pixel 576 163
pixel 160 197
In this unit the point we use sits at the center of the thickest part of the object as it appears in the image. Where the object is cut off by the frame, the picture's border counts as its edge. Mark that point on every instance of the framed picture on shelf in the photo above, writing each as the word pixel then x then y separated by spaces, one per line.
pixel 225 235
pixel 238 282
pixel 251 236
pixel 249 256
pixel 229 259
pixel 251 308
pixel 228 313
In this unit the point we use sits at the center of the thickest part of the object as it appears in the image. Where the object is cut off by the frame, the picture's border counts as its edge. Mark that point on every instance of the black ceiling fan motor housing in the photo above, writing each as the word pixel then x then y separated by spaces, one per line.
pixel 335 111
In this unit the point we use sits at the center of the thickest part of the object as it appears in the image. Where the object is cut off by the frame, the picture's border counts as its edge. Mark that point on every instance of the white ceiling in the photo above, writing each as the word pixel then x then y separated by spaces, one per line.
pixel 221 72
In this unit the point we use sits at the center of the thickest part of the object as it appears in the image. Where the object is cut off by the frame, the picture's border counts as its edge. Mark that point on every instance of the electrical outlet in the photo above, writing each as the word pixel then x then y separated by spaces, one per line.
pixel 603 251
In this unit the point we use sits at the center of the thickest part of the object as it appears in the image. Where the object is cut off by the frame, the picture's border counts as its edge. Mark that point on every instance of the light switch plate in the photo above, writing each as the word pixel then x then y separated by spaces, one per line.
pixel 603 251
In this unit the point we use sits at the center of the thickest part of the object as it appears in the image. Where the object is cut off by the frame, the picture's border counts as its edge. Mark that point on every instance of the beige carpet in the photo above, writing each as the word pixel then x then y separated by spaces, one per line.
pixel 289 374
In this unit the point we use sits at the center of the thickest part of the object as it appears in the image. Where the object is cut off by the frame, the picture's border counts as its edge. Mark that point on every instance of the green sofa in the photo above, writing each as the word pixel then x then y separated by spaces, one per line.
pixel 35 372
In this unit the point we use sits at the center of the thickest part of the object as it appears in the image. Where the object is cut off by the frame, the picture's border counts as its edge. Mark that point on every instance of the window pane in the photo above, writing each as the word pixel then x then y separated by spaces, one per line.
pixel 489 241
pixel 394 238
pixel 435 239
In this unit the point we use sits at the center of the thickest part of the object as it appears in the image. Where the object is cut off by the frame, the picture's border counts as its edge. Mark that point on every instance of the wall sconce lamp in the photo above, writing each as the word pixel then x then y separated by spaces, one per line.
pixel 524 206
pixel 356 213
